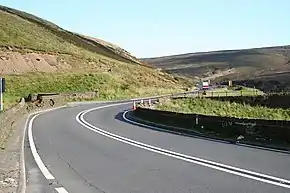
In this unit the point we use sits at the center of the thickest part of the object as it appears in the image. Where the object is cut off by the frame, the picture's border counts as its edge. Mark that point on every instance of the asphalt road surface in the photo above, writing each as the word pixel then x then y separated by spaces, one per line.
pixel 77 150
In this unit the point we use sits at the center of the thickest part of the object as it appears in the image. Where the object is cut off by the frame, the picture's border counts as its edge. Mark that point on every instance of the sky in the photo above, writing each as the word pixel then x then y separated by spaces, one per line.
pixel 153 28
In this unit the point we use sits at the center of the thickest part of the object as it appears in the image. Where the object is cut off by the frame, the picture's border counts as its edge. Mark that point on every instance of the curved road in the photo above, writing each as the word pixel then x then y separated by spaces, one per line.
pixel 92 148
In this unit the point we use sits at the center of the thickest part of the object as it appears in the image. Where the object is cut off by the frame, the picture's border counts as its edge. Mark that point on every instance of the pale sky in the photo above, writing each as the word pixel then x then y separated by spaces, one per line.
pixel 159 27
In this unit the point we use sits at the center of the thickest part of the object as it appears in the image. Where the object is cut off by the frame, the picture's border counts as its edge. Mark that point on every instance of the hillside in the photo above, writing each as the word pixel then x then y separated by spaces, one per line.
pixel 266 68
pixel 73 38
pixel 38 56
pixel 118 50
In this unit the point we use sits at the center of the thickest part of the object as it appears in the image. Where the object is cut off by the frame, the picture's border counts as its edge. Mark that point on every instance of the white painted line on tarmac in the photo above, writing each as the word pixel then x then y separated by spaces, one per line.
pixel 22 179
pixel 200 137
pixel 22 156
pixel 218 166
pixel 35 154
pixel 61 190
pixel 166 130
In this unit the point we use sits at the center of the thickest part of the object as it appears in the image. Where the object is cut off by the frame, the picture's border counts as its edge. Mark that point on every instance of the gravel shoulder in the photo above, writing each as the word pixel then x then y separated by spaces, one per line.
pixel 10 158
pixel 12 124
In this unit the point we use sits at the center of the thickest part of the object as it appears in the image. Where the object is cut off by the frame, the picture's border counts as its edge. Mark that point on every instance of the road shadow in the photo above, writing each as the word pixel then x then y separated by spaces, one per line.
pixel 119 117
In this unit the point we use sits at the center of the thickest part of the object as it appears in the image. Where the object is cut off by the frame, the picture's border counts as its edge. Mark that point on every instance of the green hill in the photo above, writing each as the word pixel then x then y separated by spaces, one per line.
pixel 43 35
pixel 39 56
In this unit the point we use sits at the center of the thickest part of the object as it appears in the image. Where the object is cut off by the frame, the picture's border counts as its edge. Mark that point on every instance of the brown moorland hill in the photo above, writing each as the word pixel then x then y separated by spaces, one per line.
pixel 266 68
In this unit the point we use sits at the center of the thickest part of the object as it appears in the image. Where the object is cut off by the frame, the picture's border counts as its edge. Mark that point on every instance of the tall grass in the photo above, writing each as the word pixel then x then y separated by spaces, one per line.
pixel 109 86
pixel 207 106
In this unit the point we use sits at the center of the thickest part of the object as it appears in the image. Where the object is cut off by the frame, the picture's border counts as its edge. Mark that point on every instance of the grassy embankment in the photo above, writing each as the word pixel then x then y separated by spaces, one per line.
pixel 88 66
pixel 232 91
pixel 207 106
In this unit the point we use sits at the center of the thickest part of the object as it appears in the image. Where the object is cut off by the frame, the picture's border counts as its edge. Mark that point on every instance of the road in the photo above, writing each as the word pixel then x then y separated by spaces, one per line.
pixel 97 150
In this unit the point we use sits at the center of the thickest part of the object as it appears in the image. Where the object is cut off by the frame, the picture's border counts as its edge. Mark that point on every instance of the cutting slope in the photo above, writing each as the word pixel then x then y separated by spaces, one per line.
pixel 259 63
pixel 38 56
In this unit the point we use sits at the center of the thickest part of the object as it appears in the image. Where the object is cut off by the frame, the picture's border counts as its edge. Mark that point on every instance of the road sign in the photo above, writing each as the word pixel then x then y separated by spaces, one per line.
pixel 2 90
pixel 3 84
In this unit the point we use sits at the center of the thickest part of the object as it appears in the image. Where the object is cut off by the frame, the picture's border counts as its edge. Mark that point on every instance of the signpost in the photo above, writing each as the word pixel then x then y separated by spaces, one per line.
pixel 2 90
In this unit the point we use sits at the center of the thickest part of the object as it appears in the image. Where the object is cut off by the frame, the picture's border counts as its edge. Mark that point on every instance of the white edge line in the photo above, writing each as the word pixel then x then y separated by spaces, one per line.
pixel 22 182
pixel 61 190
pixel 28 123
pixel 200 137
pixel 174 132
pixel 211 162
pixel 80 119
pixel 42 167
pixel 36 156
pixel 34 152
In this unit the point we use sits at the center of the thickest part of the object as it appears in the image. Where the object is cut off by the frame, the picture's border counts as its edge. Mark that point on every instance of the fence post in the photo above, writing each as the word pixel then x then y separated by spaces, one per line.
pixel 1 96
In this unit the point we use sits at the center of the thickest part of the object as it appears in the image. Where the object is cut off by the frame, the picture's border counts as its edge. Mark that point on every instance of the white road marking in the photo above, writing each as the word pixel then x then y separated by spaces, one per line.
pixel 38 160
pixel 61 190
pixel 36 156
pixel 223 141
pixel 22 180
pixel 34 152
pixel 174 132
pixel 191 159
pixel 22 156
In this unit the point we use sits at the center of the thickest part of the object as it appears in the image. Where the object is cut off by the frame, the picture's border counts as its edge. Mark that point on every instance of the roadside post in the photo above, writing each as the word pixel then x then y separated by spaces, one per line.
pixel 2 90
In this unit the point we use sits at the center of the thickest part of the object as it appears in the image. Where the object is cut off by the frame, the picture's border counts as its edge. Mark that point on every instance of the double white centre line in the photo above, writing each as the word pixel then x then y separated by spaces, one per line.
pixel 211 164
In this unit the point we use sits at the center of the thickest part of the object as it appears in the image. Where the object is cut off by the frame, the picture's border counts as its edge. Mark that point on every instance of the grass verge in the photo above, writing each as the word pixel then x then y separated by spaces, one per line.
pixel 207 106
pixel 233 91
pixel 110 86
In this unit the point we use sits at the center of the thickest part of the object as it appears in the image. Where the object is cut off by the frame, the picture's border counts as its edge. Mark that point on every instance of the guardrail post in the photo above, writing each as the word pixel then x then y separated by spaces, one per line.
pixel 134 105
pixel 196 119
pixel 149 102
